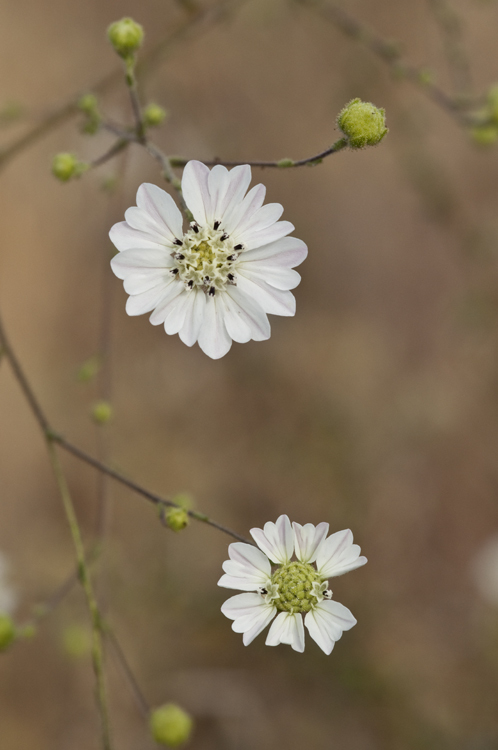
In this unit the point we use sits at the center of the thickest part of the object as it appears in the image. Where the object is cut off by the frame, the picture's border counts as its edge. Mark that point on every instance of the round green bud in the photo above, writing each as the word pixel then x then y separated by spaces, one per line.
pixel 170 725
pixel 88 104
pixel 7 631
pixel 89 369
pixel 154 115
pixel 126 36
pixel 484 135
pixel 176 518
pixel 67 166
pixel 101 412
pixel 362 123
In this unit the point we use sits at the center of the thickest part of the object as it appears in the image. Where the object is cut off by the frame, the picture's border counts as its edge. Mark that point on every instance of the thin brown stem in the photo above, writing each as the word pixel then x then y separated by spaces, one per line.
pixel 52 434
pixel 452 32
pixel 141 701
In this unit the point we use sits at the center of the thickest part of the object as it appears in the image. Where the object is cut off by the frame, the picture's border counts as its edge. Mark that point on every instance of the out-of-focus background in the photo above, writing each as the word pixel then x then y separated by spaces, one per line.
pixel 375 408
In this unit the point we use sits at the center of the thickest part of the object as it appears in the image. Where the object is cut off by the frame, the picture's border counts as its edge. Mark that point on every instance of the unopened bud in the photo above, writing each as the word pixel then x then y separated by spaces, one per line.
pixel 101 412
pixel 176 518
pixel 154 115
pixel 362 123
pixel 484 135
pixel 67 166
pixel 7 631
pixel 126 36
pixel 170 725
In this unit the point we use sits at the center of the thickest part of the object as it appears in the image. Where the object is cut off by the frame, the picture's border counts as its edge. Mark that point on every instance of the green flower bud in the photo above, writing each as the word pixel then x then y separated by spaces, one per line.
pixel 285 163
pixel 176 518
pixel 88 104
pixel 67 166
pixel 126 36
pixel 102 412
pixel 154 115
pixel 362 123
pixel 170 725
pixel 89 369
pixel 484 135
pixel 7 631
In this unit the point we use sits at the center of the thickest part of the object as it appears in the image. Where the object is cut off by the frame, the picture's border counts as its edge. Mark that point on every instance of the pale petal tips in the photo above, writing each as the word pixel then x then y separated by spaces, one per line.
pixel 338 555
pixel 287 628
pixel 276 540
pixel 307 540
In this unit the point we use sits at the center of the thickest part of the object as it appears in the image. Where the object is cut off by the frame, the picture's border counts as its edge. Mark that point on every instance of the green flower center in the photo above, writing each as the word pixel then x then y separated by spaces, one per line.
pixel 299 587
pixel 206 258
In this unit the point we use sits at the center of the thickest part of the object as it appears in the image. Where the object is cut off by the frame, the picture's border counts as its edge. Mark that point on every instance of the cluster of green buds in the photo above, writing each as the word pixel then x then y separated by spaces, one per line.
pixel 66 166
pixel 362 123
pixel 170 725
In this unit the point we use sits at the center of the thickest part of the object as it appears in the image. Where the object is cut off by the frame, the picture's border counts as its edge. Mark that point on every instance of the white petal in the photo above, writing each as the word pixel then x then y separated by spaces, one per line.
pixel 244 309
pixel 276 539
pixel 244 210
pixel 338 555
pixel 242 584
pixel 250 613
pixel 274 301
pixel 196 192
pixel 239 181
pixel 218 184
pixel 263 218
pixel 131 262
pixel 287 252
pixel 161 208
pixel 176 313
pixel 143 222
pixel 173 291
pixel 125 237
pixel 142 282
pixel 280 278
pixel 237 327
pixel 307 540
pixel 138 304
pixel 247 569
pixel 265 236
pixel 213 337
pixel 327 622
pixel 287 628
pixel 193 319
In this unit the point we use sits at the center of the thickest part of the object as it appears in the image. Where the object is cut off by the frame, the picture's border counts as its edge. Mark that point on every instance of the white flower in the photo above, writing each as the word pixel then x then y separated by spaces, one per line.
pixel 292 588
pixel 8 597
pixel 218 280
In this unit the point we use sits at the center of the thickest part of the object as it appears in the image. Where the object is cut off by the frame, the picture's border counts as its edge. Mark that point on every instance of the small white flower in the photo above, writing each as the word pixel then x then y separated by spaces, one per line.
pixel 8 597
pixel 218 280
pixel 291 588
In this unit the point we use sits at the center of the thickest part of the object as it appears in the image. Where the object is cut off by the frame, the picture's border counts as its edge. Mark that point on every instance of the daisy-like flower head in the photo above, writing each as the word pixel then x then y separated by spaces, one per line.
pixel 217 281
pixel 275 584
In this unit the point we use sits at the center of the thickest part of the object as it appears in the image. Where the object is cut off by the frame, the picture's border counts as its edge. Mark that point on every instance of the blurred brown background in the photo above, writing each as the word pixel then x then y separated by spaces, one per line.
pixel 375 408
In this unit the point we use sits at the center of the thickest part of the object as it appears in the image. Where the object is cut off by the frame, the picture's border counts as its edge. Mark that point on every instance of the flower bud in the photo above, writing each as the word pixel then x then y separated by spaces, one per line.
pixel 7 631
pixel 67 166
pixel 88 104
pixel 154 115
pixel 484 135
pixel 126 36
pixel 362 123
pixel 170 725
pixel 176 518
pixel 101 412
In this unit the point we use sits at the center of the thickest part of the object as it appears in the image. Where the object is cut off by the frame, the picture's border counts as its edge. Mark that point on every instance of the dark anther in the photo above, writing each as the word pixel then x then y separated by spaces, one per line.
pixel 195 226
pixel 174 271
pixel 178 242
pixel 233 257
pixel 238 247
pixel 206 278
pixel 217 224
pixel 179 256
pixel 231 276
pixel 224 236
pixel 263 591
pixel 190 284
pixel 212 291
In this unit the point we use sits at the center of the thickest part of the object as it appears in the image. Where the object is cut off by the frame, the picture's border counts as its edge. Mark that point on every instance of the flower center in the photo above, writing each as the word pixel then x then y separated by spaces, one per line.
pixel 300 587
pixel 205 258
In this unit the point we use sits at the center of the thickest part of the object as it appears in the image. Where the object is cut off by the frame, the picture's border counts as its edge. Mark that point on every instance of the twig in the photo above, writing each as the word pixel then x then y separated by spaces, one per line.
pixel 451 28
pixel 113 151
pixel 389 53
pixel 141 701
pixel 86 582
pixel 194 22
pixel 54 437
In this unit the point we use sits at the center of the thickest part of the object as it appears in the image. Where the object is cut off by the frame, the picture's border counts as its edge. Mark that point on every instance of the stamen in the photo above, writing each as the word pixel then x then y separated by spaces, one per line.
pixel 262 591
pixel 233 256
pixel 195 226
pixel 239 247
pixel 224 236
pixel 327 594
pixel 179 256
pixel 216 224
pixel 174 271
pixel 212 291
pixel 230 277
pixel 190 284
pixel 178 242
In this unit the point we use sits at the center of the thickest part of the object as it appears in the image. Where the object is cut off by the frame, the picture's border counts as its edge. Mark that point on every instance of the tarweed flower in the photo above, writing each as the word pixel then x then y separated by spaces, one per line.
pixel 217 281
pixel 285 588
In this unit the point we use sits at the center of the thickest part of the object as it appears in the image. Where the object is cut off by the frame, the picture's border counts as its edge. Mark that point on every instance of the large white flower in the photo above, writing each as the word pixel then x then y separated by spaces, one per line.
pixel 218 280
pixel 277 585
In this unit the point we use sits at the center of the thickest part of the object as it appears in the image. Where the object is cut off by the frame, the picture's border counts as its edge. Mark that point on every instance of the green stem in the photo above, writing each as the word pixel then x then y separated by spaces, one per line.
pixel 85 580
